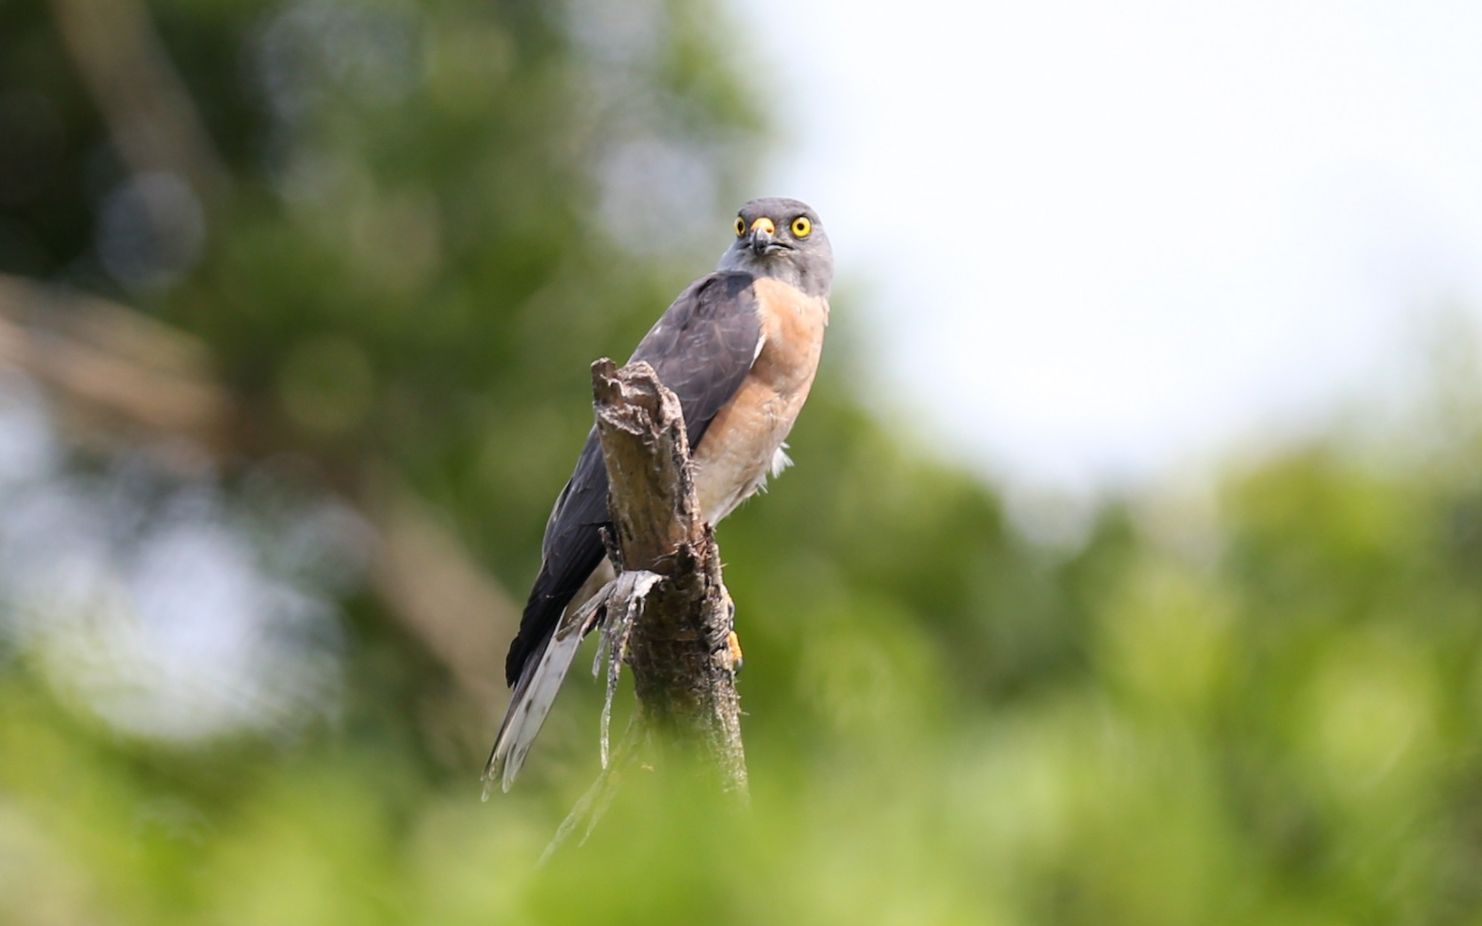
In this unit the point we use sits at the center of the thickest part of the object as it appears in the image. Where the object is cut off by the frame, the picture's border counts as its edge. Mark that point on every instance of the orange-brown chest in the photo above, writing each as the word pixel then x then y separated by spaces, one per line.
pixel 792 326
pixel 737 450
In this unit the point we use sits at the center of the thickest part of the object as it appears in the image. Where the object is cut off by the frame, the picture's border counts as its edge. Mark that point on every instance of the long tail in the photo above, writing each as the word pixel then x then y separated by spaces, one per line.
pixel 534 693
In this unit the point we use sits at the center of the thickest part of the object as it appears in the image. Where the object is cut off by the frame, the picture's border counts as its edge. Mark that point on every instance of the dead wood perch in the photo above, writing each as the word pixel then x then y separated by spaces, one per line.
pixel 677 648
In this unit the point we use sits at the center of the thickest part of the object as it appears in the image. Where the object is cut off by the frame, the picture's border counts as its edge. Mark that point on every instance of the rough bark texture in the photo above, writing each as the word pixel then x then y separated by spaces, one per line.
pixel 682 668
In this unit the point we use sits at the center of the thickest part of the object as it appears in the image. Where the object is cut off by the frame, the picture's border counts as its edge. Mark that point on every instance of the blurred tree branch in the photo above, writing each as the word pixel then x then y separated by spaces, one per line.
pixel 149 113
pixel 116 373
pixel 118 377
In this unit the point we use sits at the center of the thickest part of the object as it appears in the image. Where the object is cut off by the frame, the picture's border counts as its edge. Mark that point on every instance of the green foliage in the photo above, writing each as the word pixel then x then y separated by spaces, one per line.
pixel 1261 706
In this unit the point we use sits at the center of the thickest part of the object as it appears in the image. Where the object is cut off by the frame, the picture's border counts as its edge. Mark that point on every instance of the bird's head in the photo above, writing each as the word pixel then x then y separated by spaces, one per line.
pixel 782 238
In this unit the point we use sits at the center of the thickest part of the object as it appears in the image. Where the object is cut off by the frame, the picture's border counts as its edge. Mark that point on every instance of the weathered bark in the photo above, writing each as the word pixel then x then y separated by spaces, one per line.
pixel 678 650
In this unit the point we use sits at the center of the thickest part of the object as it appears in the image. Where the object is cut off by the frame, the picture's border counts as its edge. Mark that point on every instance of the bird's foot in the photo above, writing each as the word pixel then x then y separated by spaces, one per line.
pixel 733 648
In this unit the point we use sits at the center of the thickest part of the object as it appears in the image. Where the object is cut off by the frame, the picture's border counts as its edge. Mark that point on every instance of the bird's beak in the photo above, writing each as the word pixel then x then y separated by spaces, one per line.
pixel 762 235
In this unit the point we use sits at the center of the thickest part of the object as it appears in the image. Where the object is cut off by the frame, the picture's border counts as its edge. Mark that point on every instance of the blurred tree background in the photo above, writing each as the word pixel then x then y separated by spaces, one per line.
pixel 296 306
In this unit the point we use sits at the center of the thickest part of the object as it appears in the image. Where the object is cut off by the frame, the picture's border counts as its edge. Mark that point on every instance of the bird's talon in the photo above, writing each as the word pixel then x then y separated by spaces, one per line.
pixel 733 646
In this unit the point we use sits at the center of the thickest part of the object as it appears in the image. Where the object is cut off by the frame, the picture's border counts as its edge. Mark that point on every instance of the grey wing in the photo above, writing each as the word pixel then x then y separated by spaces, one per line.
pixel 702 348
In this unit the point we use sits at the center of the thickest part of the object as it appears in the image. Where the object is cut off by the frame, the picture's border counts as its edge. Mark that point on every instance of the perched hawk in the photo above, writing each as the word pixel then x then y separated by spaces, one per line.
pixel 739 348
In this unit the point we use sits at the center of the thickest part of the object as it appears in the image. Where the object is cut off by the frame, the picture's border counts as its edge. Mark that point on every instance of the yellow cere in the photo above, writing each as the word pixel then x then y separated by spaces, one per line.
pixel 801 227
pixel 764 224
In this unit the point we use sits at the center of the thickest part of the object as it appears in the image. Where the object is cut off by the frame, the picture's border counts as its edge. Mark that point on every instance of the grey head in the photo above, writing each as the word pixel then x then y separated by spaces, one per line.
pixel 783 239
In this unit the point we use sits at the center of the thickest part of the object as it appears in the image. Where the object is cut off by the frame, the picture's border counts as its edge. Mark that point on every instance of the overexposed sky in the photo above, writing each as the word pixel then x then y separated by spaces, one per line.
pixel 1100 241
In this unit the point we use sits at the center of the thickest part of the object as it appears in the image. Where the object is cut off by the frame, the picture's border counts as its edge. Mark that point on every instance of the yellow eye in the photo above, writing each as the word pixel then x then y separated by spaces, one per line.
pixel 740 227
pixel 801 227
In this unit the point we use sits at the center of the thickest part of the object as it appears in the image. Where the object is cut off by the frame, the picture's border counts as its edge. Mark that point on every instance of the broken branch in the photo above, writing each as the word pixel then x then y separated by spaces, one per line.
pixel 677 647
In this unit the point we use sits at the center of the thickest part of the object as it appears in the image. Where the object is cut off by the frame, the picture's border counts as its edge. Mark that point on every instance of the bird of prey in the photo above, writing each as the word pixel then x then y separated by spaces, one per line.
pixel 739 348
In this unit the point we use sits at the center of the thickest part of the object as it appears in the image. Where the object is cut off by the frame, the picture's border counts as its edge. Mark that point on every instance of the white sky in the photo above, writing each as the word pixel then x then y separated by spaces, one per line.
pixel 1100 241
